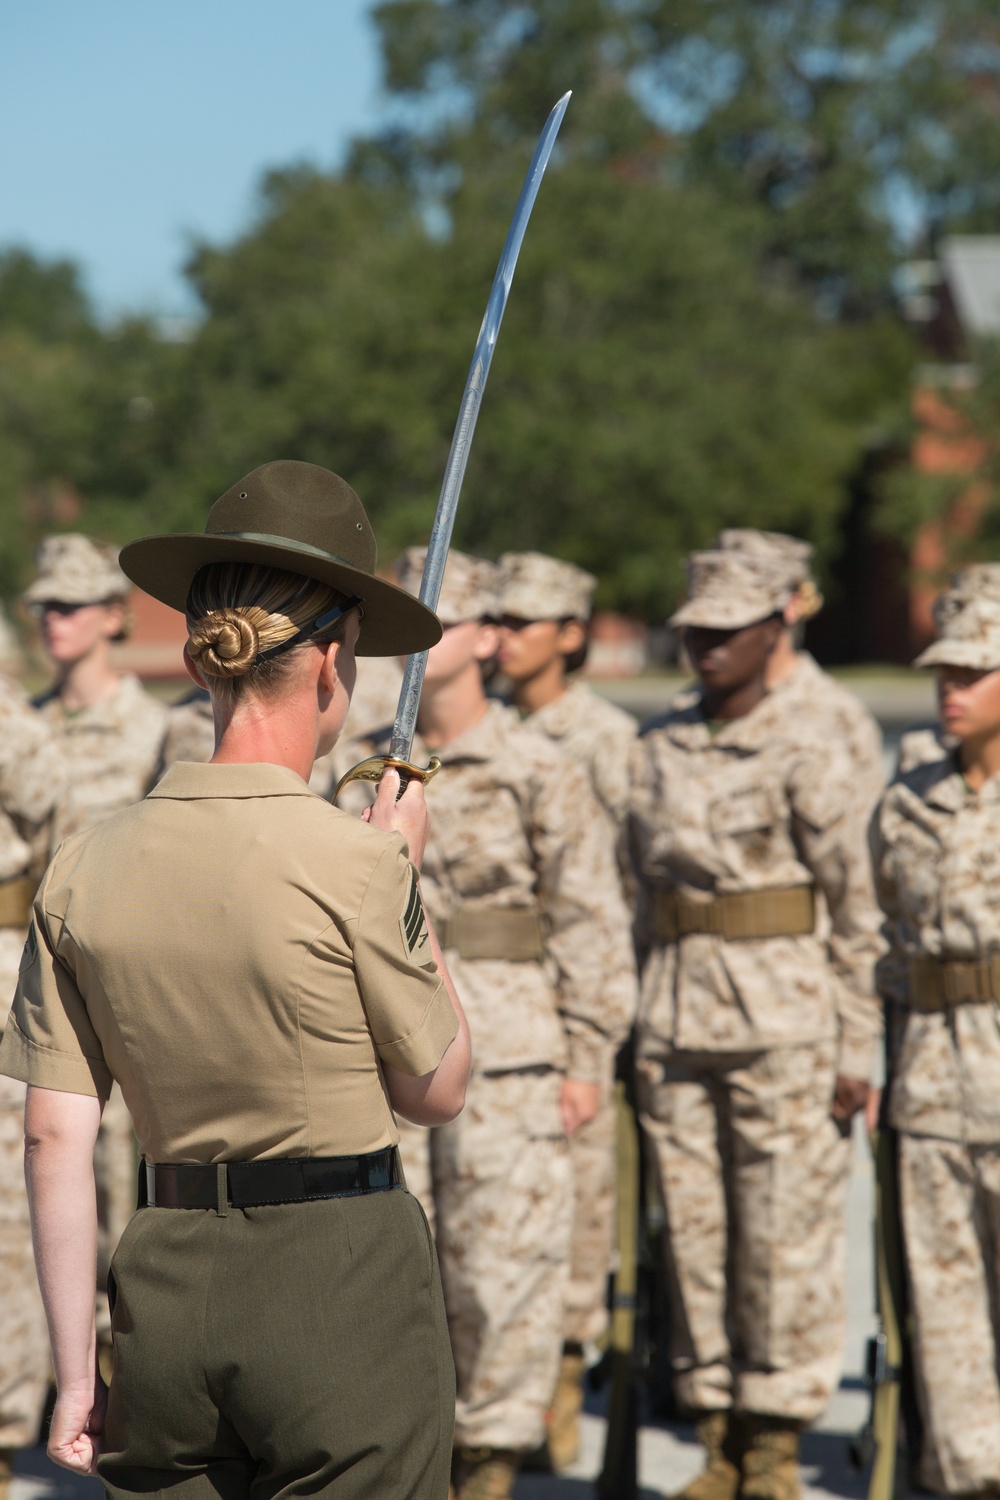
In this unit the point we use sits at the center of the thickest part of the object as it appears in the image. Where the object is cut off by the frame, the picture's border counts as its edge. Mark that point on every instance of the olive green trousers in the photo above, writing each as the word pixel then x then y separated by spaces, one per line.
pixel 293 1349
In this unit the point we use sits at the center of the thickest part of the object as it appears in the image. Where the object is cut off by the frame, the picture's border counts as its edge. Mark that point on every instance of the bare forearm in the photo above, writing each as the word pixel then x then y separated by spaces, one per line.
pixel 60 1177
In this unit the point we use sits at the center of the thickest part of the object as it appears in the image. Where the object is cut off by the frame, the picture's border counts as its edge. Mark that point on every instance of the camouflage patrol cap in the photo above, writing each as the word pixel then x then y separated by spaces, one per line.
pixel 74 569
pixel 727 591
pixel 536 587
pixel 967 616
pixel 471 589
pixel 787 558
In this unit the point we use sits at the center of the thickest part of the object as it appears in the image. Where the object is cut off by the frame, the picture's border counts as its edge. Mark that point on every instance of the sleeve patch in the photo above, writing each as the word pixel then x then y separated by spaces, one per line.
pixel 413 926
pixel 30 951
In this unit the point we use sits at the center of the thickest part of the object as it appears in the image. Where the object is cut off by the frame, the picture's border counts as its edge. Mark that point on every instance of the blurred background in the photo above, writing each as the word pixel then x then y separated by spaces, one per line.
pixel 761 286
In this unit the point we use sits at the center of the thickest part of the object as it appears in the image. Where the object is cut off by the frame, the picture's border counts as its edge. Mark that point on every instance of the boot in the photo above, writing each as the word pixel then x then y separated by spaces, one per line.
pixel 7 1456
pixel 564 1416
pixel 720 1478
pixel 770 1458
pixel 485 1473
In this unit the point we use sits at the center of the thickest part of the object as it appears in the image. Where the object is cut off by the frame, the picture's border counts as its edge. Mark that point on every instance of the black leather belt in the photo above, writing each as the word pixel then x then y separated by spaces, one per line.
pixel 241 1184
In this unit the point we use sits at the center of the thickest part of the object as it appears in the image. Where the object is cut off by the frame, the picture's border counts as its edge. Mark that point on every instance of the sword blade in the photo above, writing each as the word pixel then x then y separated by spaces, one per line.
pixel 405 723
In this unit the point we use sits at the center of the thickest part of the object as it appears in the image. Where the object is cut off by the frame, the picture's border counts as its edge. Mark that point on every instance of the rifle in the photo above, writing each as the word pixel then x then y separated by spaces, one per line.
pixel 889 1441
pixel 635 1364
pixel 619 1477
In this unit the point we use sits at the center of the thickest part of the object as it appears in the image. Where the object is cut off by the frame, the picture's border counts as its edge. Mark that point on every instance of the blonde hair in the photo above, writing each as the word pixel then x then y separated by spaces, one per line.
pixel 235 611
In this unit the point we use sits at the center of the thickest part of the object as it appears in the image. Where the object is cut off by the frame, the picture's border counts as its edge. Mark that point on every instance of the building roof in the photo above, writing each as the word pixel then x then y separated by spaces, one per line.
pixel 971 265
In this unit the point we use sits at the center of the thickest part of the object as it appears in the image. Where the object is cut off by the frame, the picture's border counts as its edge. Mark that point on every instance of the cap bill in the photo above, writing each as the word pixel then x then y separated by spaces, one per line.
pixel 977 656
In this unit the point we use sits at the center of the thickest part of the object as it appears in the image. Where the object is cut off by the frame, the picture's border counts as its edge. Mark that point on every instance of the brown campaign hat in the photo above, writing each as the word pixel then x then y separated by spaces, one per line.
pixel 967 616
pixel 727 591
pixel 297 516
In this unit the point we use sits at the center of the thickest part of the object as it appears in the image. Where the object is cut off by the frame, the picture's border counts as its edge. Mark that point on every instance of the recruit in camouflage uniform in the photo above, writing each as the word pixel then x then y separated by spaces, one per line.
pixel 31 781
pixel 539 593
pixel 109 731
pixel 810 693
pixel 519 880
pixel 936 848
pixel 748 1020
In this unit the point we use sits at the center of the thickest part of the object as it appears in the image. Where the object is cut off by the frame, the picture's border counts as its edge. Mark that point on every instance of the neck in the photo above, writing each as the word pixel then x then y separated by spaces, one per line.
pixel 782 661
pixel 86 682
pixel 279 732
pixel 543 688
pixel 979 757
pixel 736 703
pixel 448 709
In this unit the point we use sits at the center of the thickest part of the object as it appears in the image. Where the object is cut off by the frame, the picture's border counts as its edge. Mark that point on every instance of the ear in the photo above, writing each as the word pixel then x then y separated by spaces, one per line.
pixel 328 674
pixel 114 620
pixel 571 637
pixel 487 641
pixel 193 671
pixel 793 611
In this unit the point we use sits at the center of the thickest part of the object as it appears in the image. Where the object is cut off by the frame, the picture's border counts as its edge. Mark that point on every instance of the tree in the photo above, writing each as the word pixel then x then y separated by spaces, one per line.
pixel 853 124
pixel 647 388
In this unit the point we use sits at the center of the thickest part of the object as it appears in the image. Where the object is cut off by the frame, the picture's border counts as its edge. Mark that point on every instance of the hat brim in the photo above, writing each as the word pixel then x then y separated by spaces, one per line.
pixel 722 615
pixel 971 654
pixel 395 623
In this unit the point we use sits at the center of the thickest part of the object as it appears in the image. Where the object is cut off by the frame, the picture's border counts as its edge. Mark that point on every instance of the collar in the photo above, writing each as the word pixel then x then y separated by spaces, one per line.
pixel 191 781
pixel 948 791
pixel 686 725
pixel 561 716
pixel 481 741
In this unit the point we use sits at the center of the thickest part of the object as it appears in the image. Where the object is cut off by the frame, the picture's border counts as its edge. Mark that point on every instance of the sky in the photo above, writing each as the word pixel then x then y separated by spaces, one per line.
pixel 128 126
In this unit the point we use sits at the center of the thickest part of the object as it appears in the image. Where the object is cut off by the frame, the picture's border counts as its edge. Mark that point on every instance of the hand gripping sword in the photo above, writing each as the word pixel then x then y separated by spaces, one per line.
pixel 405 723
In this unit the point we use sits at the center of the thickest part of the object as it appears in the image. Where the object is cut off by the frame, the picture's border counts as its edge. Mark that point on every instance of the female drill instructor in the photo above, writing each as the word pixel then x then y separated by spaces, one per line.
pixel 255 970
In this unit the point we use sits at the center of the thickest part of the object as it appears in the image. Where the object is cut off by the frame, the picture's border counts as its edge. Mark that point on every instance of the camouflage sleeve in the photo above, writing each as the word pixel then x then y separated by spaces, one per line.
pixel 32 766
pixel 830 834
pixel 587 924
pixel 891 971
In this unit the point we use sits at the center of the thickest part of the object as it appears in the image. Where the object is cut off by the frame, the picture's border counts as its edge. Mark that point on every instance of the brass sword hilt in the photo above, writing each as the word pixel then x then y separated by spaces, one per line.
pixel 372 769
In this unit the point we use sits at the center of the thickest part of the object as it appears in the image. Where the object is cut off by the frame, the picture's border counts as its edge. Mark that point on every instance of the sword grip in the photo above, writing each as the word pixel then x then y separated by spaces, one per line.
pixel 373 768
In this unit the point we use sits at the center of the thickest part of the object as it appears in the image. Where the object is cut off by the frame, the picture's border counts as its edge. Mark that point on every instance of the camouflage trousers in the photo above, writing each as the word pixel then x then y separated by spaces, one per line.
pixel 592 1151
pixel 497 1182
pixel 950 1201
pixel 753 1173
pixel 24 1341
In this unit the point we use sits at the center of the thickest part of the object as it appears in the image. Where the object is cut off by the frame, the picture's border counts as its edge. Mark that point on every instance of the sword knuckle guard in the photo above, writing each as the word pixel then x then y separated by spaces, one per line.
pixel 373 769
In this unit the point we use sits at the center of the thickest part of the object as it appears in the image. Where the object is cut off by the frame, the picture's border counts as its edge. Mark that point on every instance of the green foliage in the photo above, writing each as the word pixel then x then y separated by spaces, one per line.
pixel 701 330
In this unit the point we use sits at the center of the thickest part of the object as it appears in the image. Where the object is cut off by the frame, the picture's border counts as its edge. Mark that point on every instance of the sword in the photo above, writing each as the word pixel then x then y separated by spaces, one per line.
pixel 405 723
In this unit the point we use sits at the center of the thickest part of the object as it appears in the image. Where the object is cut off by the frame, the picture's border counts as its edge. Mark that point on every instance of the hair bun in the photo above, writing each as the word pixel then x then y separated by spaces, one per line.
pixel 224 643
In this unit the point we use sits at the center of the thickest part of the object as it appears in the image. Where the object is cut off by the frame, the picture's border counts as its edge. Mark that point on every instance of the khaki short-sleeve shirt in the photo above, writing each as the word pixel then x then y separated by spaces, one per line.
pixel 242 957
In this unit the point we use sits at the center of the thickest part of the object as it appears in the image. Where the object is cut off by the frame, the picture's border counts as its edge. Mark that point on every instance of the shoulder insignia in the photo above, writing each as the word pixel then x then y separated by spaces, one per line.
pixel 30 952
pixel 413 925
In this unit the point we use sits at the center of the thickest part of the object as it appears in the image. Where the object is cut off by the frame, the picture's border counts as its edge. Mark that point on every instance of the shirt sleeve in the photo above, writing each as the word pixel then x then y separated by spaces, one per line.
pixel 587 923
pixel 830 832
pixel 409 1011
pixel 49 1040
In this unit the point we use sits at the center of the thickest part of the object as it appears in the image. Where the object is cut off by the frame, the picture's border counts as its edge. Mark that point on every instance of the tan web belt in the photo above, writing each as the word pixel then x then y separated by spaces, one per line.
pixel 16 897
pixel 786 912
pixel 493 932
pixel 937 983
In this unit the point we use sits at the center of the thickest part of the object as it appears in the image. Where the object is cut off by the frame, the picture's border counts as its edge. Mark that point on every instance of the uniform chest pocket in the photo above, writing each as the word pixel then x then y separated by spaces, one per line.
pixel 741 812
